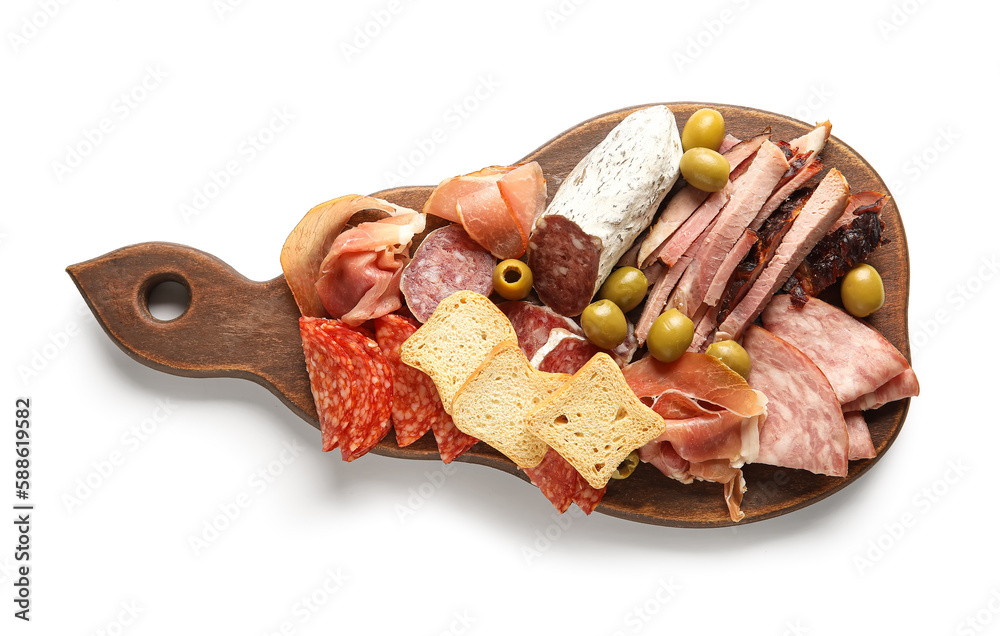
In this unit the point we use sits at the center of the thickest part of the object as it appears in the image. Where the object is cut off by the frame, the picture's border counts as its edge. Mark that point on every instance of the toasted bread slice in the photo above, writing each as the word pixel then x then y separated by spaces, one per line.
pixel 455 340
pixel 492 403
pixel 595 420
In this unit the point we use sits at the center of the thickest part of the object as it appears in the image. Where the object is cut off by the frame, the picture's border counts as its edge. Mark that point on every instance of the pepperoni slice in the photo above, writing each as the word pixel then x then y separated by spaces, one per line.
pixel 416 405
pixel 563 485
pixel 370 420
pixel 331 377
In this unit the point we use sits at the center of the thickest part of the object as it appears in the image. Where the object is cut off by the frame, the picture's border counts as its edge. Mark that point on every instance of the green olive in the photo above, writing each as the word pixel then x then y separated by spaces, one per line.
pixel 626 287
pixel 704 129
pixel 627 466
pixel 732 355
pixel 862 291
pixel 512 279
pixel 604 323
pixel 670 336
pixel 705 169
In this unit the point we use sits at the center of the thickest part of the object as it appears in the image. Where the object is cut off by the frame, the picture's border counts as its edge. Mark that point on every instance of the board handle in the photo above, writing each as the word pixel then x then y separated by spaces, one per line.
pixel 233 326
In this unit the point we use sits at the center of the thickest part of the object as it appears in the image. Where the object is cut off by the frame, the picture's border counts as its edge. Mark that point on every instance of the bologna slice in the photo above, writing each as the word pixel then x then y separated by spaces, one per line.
pixel 805 427
pixel 446 262
pixel 863 367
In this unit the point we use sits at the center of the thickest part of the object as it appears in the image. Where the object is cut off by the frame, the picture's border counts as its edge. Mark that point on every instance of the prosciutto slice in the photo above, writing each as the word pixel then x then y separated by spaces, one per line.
pixel 359 278
pixel 747 198
pixel 497 205
pixel 309 243
pixel 805 427
pixel 858 436
pixel 822 209
pixel 863 367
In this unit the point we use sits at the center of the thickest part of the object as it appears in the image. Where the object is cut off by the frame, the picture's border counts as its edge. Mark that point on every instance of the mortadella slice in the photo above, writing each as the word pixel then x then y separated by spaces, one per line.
pixel 863 367
pixel 859 438
pixel 805 427
pixel 607 200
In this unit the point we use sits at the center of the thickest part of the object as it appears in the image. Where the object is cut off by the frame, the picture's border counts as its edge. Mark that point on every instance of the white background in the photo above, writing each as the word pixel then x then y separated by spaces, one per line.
pixel 909 85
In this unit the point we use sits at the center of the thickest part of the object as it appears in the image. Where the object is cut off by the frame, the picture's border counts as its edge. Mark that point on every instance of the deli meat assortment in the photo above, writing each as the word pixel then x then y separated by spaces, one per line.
pixel 637 318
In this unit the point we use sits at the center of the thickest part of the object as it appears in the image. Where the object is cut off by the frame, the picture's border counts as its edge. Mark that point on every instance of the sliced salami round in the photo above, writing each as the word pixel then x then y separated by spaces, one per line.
pixel 452 443
pixel 331 378
pixel 416 405
pixel 586 496
pixel 368 422
pixel 447 261
pixel 556 478
pixel 533 323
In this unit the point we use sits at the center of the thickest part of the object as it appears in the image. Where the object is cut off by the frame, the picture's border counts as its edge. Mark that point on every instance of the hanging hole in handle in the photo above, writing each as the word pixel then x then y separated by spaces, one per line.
pixel 167 299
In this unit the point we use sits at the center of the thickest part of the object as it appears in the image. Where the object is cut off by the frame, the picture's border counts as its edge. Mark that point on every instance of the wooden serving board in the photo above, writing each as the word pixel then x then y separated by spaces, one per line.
pixel 235 327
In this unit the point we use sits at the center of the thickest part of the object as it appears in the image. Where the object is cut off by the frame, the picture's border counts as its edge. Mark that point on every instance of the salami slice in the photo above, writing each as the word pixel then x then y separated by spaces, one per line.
pixel 452 443
pixel 563 485
pixel 446 262
pixel 415 401
pixel 533 323
pixel 331 378
pixel 368 422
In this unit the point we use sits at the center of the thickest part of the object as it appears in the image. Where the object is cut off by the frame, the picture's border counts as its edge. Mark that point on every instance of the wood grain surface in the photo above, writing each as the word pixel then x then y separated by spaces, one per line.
pixel 235 327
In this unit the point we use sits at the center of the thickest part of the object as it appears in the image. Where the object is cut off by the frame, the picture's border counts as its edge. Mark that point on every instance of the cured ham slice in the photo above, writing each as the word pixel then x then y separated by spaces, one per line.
pixel 858 436
pixel 704 381
pixel 728 266
pixel 863 367
pixel 667 461
pixel 748 196
pixel 687 201
pixel 309 243
pixel 686 236
pixel 805 427
pixel 822 209
pixel 803 166
pixel 496 205
pixel 359 278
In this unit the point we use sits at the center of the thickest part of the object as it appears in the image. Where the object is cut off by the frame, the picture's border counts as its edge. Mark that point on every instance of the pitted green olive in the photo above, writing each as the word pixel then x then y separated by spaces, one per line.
pixel 626 287
pixel 512 279
pixel 604 323
pixel 626 467
pixel 704 129
pixel 705 169
pixel 670 336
